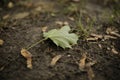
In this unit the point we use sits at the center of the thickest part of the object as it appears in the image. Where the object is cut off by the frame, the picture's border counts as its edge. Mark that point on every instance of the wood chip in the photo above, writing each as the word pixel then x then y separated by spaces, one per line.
pixel 55 59
pixel 65 23
pixel 109 37
pixel 114 51
pixel 116 34
pixel 92 39
pixel 100 46
pixel 26 54
pixel 59 23
pixel 38 9
pixel 6 16
pixel 71 18
pixel 96 35
pixel 82 62
pixel 1 42
pixel 112 32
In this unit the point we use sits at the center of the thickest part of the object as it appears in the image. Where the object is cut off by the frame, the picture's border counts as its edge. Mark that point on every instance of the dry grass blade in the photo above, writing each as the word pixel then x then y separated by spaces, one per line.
pixel 26 54
pixel 1 42
pixel 82 62
pixel 55 59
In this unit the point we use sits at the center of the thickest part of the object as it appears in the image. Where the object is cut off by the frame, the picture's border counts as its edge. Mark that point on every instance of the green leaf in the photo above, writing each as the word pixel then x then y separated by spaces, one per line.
pixel 62 37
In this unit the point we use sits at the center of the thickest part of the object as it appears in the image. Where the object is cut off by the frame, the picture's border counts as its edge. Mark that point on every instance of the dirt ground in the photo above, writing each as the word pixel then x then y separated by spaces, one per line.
pixel 85 17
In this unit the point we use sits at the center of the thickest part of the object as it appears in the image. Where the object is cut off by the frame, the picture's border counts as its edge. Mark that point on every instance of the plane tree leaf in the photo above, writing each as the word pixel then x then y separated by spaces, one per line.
pixel 62 37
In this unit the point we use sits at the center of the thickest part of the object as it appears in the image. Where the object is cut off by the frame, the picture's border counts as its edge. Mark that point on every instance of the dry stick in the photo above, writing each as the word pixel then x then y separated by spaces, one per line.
pixel 36 43
pixel 1 68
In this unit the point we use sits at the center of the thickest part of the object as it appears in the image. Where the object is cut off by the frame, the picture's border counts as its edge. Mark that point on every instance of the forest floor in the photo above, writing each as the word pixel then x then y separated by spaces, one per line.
pixel 97 22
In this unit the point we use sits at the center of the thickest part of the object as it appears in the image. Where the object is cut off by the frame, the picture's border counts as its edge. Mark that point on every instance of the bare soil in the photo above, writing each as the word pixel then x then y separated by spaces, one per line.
pixel 21 32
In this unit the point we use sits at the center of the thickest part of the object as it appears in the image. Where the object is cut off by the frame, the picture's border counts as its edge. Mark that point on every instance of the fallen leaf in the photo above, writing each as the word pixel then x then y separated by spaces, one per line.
pixel 21 15
pixel 55 59
pixel 26 54
pixel 82 62
pixel 44 29
pixel 1 42
pixel 62 37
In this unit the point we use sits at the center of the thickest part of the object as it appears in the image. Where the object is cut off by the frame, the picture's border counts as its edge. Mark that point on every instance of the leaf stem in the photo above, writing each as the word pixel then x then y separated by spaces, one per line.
pixel 36 43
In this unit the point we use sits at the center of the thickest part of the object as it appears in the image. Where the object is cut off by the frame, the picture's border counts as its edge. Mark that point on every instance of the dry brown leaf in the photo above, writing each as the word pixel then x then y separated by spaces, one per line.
pixel 44 29
pixel 91 63
pixel 26 54
pixel 21 15
pixel 1 42
pixel 90 72
pixel 82 62
pixel 55 59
